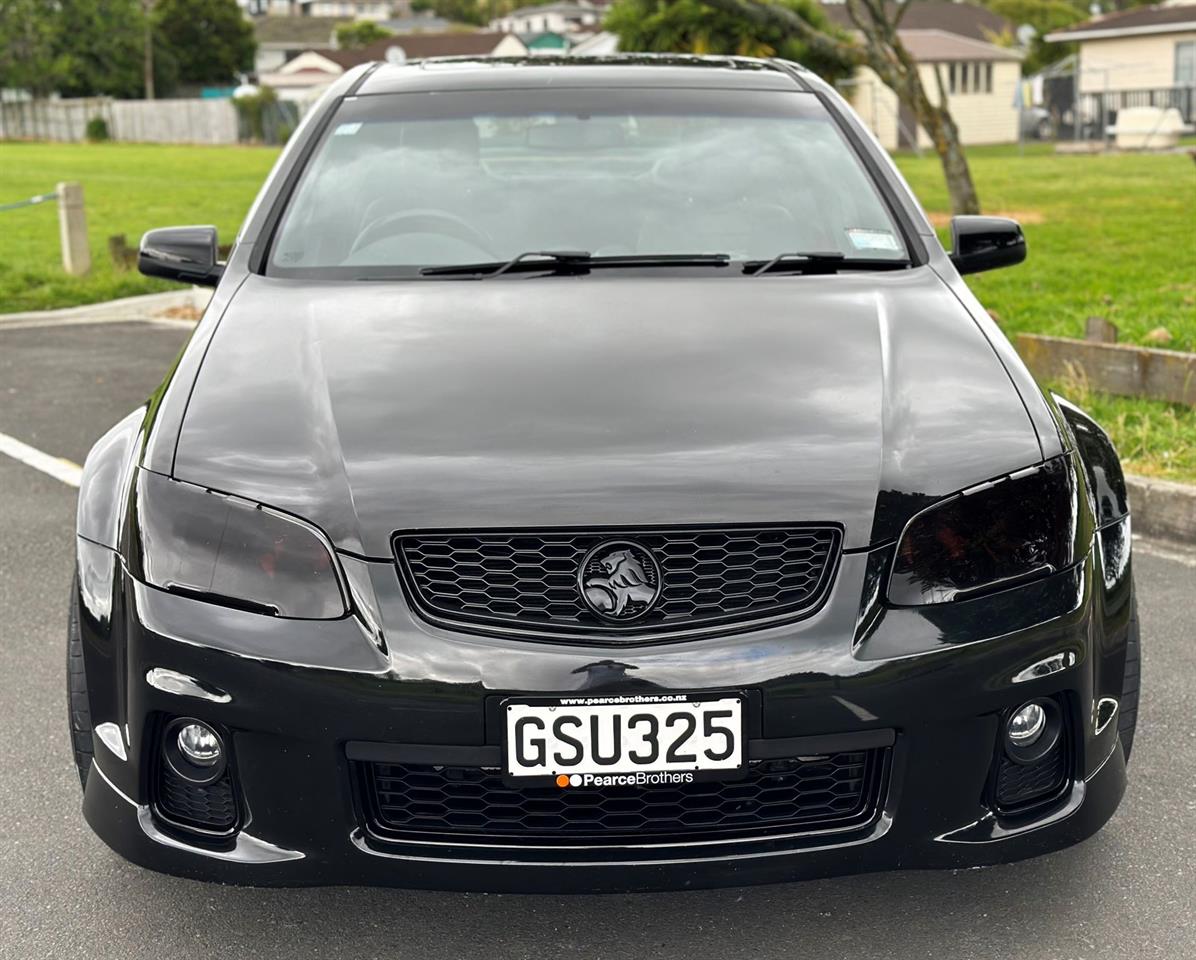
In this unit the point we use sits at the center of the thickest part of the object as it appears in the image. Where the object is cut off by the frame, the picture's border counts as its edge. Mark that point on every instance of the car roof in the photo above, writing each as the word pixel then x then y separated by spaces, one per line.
pixel 627 70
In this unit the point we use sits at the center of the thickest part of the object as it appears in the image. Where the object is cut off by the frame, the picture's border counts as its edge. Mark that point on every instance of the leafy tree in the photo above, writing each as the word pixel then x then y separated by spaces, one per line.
pixel 26 46
pixel 98 48
pixel 695 26
pixel 79 48
pixel 354 36
pixel 209 39
pixel 1044 16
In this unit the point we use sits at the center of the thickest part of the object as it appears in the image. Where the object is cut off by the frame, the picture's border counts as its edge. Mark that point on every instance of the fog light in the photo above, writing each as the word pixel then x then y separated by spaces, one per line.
pixel 199 744
pixel 1026 725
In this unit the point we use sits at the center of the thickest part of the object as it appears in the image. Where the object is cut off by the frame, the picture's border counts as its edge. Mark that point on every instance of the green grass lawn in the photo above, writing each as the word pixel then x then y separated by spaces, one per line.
pixel 1154 439
pixel 1111 236
pixel 128 188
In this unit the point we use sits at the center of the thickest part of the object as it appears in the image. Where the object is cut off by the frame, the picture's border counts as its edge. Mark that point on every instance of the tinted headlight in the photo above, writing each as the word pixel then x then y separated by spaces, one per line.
pixel 232 551
pixel 988 537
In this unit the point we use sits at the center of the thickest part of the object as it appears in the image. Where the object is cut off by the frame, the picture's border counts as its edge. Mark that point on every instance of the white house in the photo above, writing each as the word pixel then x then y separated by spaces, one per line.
pixel 306 75
pixel 1140 49
pixel 979 78
pixel 302 77
pixel 345 9
pixel 563 18
pixel 280 38
pixel 349 9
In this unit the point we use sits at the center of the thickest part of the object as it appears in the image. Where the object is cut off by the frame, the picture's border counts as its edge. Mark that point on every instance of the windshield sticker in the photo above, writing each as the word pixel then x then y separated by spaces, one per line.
pixel 346 129
pixel 863 239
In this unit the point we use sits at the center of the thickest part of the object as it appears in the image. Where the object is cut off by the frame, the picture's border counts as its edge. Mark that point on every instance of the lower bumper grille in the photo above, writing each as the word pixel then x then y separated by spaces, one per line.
pixel 470 805
pixel 210 806
pixel 1019 784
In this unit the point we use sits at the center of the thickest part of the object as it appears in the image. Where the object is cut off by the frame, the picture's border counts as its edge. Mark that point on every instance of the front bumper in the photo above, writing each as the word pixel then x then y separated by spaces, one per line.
pixel 934 683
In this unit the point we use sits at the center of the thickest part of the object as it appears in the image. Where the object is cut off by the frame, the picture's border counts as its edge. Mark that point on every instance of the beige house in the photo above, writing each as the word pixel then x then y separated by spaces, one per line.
pixel 1145 48
pixel 979 79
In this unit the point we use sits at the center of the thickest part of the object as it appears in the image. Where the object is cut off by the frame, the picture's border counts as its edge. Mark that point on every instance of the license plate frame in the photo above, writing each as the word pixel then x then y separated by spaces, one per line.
pixel 660 773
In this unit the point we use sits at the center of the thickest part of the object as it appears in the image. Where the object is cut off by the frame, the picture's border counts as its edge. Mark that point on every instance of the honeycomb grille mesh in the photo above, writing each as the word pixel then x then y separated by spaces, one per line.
pixel 528 581
pixel 210 806
pixel 420 801
pixel 1019 784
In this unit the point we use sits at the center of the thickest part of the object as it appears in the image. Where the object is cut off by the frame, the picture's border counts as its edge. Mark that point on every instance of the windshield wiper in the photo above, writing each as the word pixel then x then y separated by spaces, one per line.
pixel 556 260
pixel 820 262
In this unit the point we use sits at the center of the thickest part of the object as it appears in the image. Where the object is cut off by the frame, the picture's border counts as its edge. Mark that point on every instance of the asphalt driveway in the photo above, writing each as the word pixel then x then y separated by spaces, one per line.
pixel 1130 892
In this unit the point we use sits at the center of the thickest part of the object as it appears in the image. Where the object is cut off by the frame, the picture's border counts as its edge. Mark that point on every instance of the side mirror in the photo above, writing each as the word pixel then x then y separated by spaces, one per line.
pixel 186 254
pixel 986 243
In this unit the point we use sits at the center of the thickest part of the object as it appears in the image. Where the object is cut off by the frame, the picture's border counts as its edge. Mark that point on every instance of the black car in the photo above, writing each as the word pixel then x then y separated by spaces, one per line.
pixel 595 475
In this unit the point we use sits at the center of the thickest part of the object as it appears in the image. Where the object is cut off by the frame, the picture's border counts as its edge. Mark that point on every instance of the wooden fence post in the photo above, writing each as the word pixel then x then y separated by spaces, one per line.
pixel 72 228
pixel 1100 330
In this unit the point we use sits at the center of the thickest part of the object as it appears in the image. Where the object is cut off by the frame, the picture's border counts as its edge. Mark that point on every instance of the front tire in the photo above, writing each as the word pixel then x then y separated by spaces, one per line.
pixel 78 706
pixel 1127 720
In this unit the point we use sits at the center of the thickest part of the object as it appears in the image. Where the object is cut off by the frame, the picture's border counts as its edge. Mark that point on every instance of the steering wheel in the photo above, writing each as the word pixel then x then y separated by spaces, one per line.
pixel 422 221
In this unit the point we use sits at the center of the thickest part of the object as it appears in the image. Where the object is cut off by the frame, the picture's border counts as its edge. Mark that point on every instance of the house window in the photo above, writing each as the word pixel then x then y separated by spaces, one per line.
pixel 1185 64
pixel 969 78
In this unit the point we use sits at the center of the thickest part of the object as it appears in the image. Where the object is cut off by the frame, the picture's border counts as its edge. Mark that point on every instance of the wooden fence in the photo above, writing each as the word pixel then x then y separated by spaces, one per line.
pixel 146 121
pixel 1111 367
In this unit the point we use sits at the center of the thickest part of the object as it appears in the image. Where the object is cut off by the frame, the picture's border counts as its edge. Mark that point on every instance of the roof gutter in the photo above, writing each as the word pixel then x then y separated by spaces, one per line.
pixel 1112 33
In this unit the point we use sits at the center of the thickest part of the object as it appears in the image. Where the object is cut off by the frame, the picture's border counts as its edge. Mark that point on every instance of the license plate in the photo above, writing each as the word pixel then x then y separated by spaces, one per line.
pixel 638 739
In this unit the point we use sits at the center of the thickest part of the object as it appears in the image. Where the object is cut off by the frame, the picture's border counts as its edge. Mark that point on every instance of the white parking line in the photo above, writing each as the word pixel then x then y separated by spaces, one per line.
pixel 6 325
pixel 57 467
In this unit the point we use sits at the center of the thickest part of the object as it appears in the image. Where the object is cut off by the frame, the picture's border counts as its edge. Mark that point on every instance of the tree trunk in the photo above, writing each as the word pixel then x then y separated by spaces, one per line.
pixel 945 136
pixel 149 52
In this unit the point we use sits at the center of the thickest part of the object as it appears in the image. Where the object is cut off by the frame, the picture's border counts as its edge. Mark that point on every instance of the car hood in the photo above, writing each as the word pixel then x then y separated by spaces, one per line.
pixel 370 408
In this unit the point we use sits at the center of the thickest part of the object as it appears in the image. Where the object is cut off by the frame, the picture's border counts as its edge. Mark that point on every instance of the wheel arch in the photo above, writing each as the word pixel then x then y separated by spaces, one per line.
pixel 107 476
pixel 1100 459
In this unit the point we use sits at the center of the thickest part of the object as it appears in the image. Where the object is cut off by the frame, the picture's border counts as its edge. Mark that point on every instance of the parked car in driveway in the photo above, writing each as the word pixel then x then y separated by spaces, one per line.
pixel 596 476
pixel 1036 123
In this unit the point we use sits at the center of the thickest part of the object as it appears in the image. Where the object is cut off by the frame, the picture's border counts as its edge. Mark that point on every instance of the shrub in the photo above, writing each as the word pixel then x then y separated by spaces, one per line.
pixel 251 109
pixel 354 36
pixel 97 130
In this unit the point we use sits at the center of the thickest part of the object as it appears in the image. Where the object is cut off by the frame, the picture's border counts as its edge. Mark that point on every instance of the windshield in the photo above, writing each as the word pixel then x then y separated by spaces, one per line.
pixel 402 182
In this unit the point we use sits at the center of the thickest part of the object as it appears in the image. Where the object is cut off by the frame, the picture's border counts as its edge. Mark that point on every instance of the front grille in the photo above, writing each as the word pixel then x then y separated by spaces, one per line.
pixel 470 805
pixel 210 807
pixel 528 581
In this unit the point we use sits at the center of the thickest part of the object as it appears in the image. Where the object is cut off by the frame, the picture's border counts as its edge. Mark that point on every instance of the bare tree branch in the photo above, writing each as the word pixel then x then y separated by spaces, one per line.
pixel 773 14
pixel 883 51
